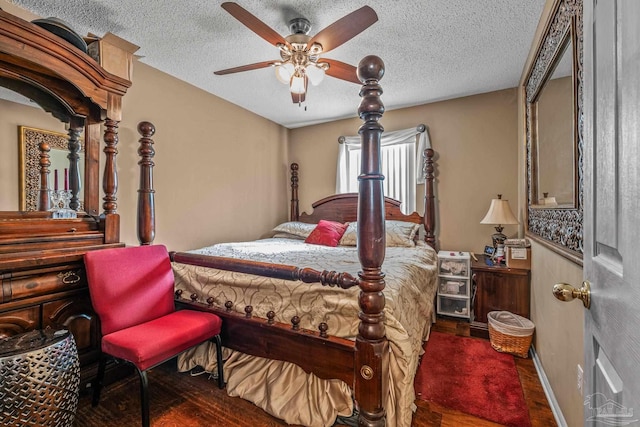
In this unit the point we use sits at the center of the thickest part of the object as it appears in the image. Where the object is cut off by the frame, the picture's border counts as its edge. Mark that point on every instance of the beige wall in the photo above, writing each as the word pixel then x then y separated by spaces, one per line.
pixel 475 139
pixel 559 336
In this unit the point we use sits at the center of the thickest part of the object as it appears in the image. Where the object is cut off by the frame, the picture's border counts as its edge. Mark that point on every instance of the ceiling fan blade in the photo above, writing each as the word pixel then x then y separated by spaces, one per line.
pixel 341 70
pixel 247 67
pixel 345 28
pixel 253 23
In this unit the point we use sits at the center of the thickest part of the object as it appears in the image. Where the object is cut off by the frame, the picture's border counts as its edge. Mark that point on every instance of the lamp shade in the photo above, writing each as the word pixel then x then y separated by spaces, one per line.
pixel 298 84
pixel 499 213
pixel 284 72
pixel 315 73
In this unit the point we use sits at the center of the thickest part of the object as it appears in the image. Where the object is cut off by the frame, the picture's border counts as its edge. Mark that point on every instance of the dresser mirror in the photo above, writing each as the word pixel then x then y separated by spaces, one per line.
pixel 29 165
pixel 27 180
pixel 554 136
pixel 553 106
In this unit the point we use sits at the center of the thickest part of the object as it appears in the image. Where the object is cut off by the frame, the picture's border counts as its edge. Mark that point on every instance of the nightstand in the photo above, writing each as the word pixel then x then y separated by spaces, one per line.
pixel 497 287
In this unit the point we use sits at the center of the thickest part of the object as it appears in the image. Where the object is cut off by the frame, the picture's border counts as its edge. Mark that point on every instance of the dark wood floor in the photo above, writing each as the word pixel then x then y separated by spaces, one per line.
pixel 184 401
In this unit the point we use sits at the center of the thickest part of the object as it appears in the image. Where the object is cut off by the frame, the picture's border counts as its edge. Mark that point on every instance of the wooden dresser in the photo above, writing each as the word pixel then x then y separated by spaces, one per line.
pixel 41 258
pixel 497 287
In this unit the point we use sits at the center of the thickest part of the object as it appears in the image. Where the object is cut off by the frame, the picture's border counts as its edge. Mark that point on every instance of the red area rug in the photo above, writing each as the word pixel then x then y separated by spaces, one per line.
pixel 467 375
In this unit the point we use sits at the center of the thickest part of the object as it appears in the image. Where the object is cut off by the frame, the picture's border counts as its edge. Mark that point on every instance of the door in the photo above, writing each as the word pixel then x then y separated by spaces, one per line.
pixel 612 211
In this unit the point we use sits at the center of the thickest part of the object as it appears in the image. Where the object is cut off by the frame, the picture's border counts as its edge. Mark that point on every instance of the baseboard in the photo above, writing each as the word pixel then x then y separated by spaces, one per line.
pixel 553 403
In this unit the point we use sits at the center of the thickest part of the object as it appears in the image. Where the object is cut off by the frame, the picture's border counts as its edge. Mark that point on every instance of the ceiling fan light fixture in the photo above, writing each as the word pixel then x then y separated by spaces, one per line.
pixel 315 73
pixel 300 53
pixel 298 84
pixel 284 72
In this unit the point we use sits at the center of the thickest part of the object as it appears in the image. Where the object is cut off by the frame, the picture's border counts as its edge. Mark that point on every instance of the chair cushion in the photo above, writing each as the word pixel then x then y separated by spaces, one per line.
pixel 158 340
pixel 129 285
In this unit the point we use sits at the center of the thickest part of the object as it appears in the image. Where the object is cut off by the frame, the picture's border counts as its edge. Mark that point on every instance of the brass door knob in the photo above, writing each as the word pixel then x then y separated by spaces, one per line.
pixel 566 292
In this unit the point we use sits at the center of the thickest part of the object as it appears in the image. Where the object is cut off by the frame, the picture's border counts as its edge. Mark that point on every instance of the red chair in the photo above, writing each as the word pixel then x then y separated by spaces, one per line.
pixel 132 292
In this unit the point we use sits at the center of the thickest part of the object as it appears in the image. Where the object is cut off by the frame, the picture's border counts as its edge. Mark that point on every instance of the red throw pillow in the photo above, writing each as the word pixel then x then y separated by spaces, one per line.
pixel 327 233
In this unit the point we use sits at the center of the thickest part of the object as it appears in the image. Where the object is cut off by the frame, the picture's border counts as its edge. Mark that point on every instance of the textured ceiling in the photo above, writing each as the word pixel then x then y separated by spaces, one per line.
pixel 432 49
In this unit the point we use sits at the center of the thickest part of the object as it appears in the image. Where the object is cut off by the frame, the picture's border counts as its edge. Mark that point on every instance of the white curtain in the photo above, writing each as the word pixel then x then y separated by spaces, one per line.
pixel 401 164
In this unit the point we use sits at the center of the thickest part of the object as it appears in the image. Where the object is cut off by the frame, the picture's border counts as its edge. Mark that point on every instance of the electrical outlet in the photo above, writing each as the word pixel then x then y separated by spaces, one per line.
pixel 580 379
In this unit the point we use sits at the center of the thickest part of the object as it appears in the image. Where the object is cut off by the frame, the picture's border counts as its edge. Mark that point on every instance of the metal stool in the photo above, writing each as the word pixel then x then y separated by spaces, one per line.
pixel 39 379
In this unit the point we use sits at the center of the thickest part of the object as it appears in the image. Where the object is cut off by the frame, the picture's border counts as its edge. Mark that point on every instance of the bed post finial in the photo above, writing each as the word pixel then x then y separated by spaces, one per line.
pixel 371 386
pixel 146 204
pixel 295 209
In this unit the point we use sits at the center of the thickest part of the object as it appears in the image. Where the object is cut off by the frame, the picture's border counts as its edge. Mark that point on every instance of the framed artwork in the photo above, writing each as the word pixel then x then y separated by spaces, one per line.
pixel 29 140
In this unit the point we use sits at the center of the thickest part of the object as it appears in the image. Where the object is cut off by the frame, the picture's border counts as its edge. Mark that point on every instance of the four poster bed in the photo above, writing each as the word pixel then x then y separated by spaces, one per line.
pixel 309 344
pixel 315 373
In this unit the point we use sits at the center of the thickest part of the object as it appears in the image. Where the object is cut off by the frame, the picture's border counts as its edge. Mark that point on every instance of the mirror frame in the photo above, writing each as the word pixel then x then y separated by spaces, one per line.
pixel 558 229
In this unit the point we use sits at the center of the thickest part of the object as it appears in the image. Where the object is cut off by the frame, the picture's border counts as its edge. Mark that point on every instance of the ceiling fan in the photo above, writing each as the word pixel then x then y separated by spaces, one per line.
pixel 300 61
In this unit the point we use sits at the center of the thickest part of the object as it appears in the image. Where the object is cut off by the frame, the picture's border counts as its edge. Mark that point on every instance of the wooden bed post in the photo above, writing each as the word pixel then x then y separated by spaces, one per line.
pixel 110 219
pixel 75 129
pixel 429 200
pixel 110 176
pixel 44 195
pixel 372 352
pixel 295 204
pixel 146 203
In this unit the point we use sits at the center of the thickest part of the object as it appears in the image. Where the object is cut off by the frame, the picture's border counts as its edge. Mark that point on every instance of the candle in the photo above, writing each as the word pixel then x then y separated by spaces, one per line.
pixel 66 180
pixel 55 180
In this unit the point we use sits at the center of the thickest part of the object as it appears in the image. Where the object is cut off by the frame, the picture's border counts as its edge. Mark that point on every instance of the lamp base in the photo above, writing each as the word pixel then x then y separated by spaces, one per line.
pixel 498 238
pixel 499 253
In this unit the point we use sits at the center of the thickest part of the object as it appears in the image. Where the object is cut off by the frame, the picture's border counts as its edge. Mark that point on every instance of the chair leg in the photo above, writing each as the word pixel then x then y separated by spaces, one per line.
pixel 219 359
pixel 97 385
pixel 144 397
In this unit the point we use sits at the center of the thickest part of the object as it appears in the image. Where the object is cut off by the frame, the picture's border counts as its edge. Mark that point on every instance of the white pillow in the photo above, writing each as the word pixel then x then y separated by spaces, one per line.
pixel 398 233
pixel 294 229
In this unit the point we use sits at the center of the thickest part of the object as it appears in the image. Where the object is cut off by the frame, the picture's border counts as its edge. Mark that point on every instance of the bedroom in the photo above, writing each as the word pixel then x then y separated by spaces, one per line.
pixel 262 149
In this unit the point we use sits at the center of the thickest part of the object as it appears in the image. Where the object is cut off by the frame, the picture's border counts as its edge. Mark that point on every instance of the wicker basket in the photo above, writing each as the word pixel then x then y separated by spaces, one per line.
pixel 510 333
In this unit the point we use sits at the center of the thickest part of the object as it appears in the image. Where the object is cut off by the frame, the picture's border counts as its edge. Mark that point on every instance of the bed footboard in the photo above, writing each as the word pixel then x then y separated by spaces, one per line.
pixel 277 271
pixel 314 351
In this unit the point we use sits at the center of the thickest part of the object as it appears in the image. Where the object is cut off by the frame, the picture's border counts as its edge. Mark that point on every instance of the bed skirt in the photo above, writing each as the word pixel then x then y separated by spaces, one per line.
pixel 281 389
pixel 286 391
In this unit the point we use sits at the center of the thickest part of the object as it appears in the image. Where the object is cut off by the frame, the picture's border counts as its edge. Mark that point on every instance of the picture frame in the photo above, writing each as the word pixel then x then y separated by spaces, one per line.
pixel 489 251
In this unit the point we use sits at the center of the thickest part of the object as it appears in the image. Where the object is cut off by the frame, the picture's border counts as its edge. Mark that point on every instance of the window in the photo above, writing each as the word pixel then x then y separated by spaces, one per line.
pixel 401 164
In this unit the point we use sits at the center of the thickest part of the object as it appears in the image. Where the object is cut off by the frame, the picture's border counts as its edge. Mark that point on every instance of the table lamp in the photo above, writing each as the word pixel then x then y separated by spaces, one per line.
pixel 499 213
